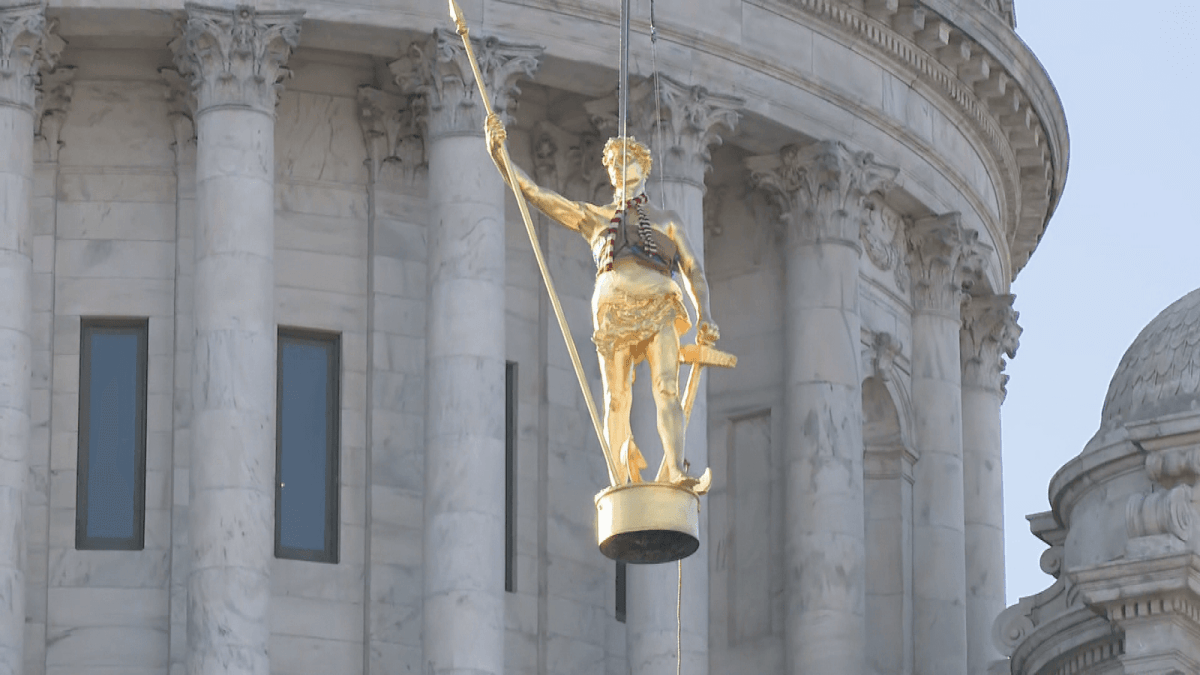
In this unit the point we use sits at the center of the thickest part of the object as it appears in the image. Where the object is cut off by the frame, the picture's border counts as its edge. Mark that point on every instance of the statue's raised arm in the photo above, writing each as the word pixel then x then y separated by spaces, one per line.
pixel 570 214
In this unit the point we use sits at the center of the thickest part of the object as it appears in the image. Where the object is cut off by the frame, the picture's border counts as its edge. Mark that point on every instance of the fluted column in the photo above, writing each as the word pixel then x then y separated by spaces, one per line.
pixel 680 129
pixel 989 332
pixel 465 351
pixel 234 60
pixel 821 190
pixel 938 251
pixel 24 50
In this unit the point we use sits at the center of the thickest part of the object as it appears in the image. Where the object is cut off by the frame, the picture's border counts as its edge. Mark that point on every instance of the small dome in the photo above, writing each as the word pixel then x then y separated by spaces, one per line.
pixel 1160 372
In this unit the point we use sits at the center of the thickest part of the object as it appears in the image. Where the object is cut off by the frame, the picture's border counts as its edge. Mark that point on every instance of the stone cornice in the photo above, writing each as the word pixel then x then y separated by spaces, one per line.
pixel 821 189
pixel 236 58
pixel 27 47
pixel 439 71
pixel 992 97
pixel 990 332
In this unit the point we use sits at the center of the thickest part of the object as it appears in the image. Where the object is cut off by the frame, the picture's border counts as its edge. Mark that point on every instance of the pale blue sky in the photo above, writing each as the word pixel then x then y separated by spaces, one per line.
pixel 1123 244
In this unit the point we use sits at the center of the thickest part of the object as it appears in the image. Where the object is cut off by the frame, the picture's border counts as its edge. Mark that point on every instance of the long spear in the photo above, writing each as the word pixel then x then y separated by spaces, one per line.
pixel 460 24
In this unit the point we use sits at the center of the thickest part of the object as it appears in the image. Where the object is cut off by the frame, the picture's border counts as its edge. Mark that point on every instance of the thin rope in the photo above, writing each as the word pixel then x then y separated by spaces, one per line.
pixel 679 624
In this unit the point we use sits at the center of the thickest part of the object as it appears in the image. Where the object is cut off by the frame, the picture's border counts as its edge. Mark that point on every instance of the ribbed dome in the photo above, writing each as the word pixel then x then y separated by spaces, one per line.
pixel 1160 372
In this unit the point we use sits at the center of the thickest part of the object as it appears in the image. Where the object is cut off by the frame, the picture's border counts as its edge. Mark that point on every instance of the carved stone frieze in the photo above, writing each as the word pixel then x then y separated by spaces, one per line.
pixel 944 262
pixel 394 131
pixel 821 189
pixel 882 236
pixel 28 47
pixel 439 71
pixel 989 333
pixel 51 104
pixel 685 120
pixel 236 58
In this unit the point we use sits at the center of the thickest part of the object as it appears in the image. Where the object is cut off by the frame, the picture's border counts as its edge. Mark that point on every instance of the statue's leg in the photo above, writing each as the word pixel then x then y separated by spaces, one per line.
pixel 616 375
pixel 663 356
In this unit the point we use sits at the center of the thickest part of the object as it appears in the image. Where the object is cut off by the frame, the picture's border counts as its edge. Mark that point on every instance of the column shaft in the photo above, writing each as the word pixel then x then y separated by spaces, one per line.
pixel 231 502
pixel 232 497
pixel 824 551
pixel 16 284
pixel 464 429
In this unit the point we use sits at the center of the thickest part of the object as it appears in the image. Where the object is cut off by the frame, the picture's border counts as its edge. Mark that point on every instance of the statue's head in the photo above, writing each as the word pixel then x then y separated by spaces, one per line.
pixel 632 149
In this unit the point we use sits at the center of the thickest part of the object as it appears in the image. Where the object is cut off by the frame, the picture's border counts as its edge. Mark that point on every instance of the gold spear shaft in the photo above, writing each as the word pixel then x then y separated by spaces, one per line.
pixel 460 24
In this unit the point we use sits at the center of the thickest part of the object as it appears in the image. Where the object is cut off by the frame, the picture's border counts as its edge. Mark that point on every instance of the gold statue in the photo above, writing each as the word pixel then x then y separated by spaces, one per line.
pixel 637 308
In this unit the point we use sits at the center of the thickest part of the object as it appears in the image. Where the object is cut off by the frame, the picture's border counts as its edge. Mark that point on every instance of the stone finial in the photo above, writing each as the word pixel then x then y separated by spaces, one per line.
pixel 236 58
pixel 51 104
pixel 946 259
pixel 989 333
pixel 684 119
pixel 394 132
pixel 28 47
pixel 821 189
pixel 440 72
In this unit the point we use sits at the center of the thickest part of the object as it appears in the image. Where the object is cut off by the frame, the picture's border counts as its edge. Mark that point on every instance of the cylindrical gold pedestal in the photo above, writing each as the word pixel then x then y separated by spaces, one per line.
pixel 646 523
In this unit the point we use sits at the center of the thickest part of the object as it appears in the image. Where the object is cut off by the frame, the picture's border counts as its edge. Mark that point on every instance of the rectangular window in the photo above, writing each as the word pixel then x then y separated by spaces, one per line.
pixel 308 408
pixel 110 495
pixel 510 476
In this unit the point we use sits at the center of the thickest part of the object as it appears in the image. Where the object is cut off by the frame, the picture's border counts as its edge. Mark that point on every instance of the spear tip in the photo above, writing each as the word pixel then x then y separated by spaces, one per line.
pixel 460 22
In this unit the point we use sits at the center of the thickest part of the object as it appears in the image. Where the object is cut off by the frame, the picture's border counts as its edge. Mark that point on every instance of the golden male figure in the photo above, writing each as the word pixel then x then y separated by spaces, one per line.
pixel 637 308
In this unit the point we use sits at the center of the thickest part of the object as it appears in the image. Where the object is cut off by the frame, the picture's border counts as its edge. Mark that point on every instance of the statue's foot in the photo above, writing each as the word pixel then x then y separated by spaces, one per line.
pixel 698 485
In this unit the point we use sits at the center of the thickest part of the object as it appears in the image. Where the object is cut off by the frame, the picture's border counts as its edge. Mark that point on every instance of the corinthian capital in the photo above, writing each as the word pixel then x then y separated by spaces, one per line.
pixel 821 189
pixel 440 71
pixel 236 58
pixel 684 119
pixel 946 259
pixel 27 47
pixel 989 333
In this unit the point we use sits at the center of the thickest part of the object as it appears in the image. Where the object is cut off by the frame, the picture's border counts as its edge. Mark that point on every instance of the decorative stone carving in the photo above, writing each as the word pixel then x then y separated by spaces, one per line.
pixel 181 106
pixel 440 72
pixel 821 189
pixel 990 332
pixel 945 261
pixel 394 131
pixel 882 237
pixel 1174 466
pixel 236 58
pixel 27 48
pixel 1160 512
pixel 683 119
pixel 52 101
pixel 568 163
pixel 886 349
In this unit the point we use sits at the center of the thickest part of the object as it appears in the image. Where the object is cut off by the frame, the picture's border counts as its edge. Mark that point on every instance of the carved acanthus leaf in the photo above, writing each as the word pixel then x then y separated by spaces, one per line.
pixel 439 70
pixel 821 189
pixel 394 132
pixel 28 47
pixel 946 259
pixel 236 58
pixel 989 333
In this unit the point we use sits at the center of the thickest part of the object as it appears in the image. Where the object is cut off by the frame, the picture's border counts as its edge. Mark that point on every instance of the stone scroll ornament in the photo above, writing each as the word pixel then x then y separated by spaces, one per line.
pixel 639 313
pixel 28 50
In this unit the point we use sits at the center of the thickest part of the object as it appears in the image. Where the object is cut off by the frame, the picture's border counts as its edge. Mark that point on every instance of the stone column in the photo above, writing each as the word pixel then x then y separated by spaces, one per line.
pixel 938 251
pixel 234 60
pixel 24 49
pixel 465 353
pixel 989 331
pixel 821 190
pixel 680 129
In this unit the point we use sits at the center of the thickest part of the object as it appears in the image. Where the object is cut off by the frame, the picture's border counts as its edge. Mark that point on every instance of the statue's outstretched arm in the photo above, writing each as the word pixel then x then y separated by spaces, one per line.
pixel 572 215
pixel 696 284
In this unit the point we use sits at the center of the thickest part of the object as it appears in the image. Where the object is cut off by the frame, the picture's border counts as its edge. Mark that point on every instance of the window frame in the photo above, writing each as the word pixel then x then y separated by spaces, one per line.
pixel 140 327
pixel 332 342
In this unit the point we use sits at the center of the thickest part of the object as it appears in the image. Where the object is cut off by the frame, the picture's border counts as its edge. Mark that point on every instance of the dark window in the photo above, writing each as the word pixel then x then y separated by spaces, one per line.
pixel 110 496
pixel 621 592
pixel 306 445
pixel 510 476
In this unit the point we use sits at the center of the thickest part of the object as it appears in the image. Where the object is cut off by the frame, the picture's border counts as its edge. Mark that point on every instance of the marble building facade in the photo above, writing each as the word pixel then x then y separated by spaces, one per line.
pixel 867 177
